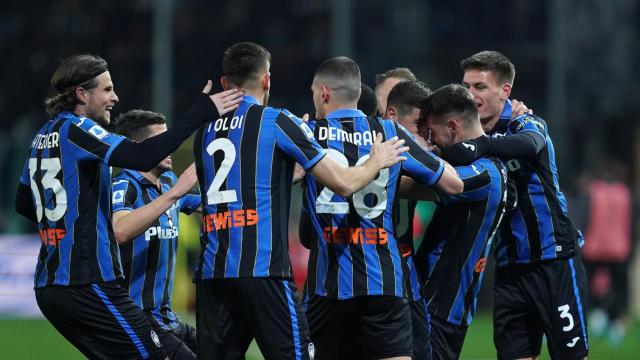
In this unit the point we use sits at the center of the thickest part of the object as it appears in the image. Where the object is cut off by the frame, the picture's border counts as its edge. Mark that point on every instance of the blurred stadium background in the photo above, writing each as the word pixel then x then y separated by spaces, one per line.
pixel 576 66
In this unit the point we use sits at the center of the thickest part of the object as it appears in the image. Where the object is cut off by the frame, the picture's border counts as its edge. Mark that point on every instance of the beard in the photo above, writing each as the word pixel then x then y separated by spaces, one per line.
pixel 98 117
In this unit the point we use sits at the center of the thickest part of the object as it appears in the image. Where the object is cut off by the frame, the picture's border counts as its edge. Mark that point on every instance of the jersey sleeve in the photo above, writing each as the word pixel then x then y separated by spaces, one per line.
pixel 124 196
pixel 528 123
pixel 25 175
pixel 94 142
pixel 295 138
pixel 477 184
pixel 190 202
pixel 421 165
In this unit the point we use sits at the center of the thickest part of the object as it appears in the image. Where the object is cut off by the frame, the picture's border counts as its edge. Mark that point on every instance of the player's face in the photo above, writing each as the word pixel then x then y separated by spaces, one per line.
pixel 382 92
pixel 101 99
pixel 157 129
pixel 410 120
pixel 439 133
pixel 486 92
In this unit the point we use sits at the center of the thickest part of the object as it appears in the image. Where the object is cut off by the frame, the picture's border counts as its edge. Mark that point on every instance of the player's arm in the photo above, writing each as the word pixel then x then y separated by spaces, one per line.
pixel 296 139
pixel 128 224
pixel 346 181
pixel 413 190
pixel 526 139
pixel 145 155
pixel 24 202
pixel 428 169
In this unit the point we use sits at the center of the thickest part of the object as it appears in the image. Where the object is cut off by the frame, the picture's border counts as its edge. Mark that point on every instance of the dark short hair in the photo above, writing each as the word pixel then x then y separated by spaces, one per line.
pixel 367 103
pixel 74 72
pixel 342 75
pixel 501 67
pixel 407 95
pixel 452 99
pixel 133 124
pixel 244 62
pixel 400 73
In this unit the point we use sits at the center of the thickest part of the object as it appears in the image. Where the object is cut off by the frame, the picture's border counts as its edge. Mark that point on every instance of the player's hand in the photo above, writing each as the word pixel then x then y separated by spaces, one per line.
pixel 519 108
pixel 186 181
pixel 387 153
pixel 224 101
pixel 465 152
pixel 298 173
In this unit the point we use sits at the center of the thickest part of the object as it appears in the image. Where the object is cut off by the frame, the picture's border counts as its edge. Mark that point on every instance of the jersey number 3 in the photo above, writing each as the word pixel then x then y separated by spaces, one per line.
pixel 51 167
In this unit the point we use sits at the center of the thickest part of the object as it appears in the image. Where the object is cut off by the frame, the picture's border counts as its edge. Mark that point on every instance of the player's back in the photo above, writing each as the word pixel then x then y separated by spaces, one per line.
pixel 245 164
pixel 453 254
pixel 71 186
pixel 356 252
pixel 539 228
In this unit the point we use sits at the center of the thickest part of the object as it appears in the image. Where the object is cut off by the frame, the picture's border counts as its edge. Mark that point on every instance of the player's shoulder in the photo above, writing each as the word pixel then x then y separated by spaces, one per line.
pixel 123 177
pixel 528 122
pixel 169 177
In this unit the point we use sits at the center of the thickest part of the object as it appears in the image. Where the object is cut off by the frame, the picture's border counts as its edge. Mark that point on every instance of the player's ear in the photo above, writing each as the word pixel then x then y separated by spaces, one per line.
pixel 224 82
pixel 326 94
pixel 505 91
pixel 266 81
pixel 81 95
pixel 391 113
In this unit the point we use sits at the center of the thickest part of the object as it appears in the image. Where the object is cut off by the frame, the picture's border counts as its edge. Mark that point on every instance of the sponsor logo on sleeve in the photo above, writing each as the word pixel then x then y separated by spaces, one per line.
pixel 98 131
pixel 118 197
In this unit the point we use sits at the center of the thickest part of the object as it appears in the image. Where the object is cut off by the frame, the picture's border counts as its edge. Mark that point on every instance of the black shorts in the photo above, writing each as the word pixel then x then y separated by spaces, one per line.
pixel 446 339
pixel 176 342
pixel 101 321
pixel 364 327
pixel 548 298
pixel 230 313
pixel 421 327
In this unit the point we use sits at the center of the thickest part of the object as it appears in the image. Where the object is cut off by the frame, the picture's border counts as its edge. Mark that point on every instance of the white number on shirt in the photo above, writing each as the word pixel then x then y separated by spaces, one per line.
pixel 214 195
pixel 377 187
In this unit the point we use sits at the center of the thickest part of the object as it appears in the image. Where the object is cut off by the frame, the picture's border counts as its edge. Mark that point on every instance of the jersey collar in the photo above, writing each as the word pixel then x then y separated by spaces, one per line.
pixel 345 113
pixel 137 175
pixel 505 117
pixel 250 99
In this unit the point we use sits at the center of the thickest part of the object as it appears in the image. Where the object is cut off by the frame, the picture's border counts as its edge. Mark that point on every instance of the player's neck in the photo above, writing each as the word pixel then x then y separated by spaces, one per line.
pixel 331 107
pixel 153 175
pixel 471 133
pixel 258 94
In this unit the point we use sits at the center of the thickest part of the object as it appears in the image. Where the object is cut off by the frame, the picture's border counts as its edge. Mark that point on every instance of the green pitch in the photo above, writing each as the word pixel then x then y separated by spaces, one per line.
pixel 36 339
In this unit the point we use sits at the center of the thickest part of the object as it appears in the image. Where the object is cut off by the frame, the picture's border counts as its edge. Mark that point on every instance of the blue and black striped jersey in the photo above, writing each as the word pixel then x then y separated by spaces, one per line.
pixel 245 167
pixel 355 252
pixel 453 254
pixel 539 228
pixel 149 259
pixel 403 216
pixel 70 180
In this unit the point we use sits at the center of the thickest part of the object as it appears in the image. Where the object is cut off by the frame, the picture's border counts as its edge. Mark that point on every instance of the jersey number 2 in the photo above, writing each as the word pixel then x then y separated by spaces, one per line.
pixel 214 195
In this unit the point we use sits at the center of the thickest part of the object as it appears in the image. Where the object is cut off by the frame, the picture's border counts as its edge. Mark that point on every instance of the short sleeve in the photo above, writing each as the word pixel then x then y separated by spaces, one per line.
pixel 421 165
pixel 25 176
pixel 124 196
pixel 295 138
pixel 477 184
pixel 94 142
pixel 528 123
pixel 190 202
